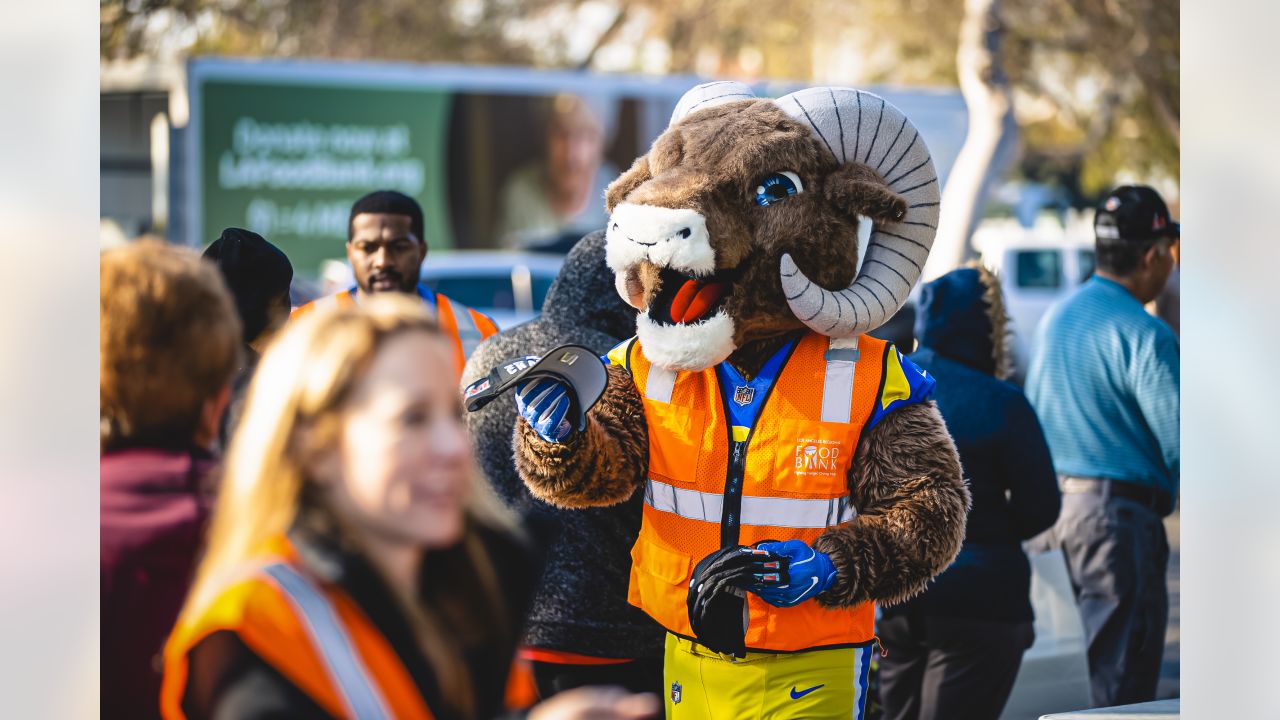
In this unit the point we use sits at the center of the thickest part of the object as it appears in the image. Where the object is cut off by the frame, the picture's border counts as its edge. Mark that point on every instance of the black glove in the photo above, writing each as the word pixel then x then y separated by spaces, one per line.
pixel 717 596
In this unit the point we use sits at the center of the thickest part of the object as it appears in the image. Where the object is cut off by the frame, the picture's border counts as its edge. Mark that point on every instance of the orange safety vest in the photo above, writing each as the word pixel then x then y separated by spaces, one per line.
pixel 792 470
pixel 464 325
pixel 316 636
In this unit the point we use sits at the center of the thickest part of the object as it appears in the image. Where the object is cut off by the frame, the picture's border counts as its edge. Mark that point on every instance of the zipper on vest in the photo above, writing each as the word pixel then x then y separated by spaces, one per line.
pixel 730 520
pixel 731 515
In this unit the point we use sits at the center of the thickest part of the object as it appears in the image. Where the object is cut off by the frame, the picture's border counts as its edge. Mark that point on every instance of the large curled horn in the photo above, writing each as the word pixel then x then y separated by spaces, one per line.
pixel 709 95
pixel 857 126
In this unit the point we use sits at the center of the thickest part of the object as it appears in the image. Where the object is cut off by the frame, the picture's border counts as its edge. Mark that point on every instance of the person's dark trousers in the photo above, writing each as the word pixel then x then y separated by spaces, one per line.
pixel 636 676
pixel 1117 555
pixel 948 668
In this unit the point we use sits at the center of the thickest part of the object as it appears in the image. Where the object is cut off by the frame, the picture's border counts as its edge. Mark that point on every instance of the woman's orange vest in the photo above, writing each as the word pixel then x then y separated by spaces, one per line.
pixel 787 479
pixel 465 326
pixel 315 635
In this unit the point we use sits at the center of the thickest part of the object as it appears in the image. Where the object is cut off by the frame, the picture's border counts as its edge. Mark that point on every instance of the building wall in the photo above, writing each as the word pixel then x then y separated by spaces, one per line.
pixel 126 177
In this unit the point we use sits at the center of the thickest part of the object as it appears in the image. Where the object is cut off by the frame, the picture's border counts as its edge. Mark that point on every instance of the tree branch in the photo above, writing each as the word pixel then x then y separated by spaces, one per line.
pixel 618 21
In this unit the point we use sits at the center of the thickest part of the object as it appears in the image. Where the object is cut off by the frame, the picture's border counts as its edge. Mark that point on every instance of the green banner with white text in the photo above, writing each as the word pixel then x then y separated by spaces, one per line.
pixel 287 161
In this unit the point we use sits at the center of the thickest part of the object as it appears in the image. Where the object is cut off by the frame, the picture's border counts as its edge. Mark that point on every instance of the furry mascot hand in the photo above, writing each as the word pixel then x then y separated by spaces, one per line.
pixel 544 403
pixel 811 572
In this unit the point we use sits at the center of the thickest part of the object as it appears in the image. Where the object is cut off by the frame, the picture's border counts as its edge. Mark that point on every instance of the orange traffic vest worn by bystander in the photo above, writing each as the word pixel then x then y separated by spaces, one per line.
pixel 464 326
pixel 712 485
pixel 315 635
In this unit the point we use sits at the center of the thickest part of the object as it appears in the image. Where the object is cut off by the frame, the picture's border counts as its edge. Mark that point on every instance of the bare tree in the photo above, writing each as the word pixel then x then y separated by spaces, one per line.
pixel 992 138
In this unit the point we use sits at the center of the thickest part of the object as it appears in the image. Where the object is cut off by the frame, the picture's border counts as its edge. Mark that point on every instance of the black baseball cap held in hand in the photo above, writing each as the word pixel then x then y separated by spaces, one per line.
pixel 1134 212
pixel 717 600
pixel 574 365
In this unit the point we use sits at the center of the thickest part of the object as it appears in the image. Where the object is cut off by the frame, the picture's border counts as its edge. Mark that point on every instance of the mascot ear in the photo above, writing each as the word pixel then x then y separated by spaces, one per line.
pixel 620 188
pixel 702 96
pixel 859 190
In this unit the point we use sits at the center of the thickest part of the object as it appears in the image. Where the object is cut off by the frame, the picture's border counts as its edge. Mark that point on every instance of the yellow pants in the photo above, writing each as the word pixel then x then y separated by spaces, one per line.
pixel 815 684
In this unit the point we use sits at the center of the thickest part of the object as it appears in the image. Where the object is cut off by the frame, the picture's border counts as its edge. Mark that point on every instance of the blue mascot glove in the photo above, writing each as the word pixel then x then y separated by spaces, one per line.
pixel 544 403
pixel 809 571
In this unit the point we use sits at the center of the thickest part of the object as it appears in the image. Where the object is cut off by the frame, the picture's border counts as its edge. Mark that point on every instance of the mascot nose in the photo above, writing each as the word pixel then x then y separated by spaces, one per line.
pixel 651 226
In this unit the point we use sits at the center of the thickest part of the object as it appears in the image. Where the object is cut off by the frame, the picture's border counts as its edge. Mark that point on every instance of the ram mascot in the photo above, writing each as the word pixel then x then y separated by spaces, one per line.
pixel 794 471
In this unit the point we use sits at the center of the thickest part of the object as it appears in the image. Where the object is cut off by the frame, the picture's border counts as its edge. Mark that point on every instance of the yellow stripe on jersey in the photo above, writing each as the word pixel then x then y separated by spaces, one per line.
pixel 618 355
pixel 896 385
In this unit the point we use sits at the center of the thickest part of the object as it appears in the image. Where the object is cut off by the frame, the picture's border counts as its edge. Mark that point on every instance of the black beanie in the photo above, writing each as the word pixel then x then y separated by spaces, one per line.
pixel 391 203
pixel 256 272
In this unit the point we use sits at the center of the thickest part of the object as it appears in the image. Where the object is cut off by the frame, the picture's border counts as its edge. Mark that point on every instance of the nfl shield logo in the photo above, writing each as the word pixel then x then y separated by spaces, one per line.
pixel 675 693
pixel 743 395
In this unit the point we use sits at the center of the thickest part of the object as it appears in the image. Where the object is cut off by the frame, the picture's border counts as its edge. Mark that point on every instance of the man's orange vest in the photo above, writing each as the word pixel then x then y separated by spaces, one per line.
pixel 785 479
pixel 316 636
pixel 465 326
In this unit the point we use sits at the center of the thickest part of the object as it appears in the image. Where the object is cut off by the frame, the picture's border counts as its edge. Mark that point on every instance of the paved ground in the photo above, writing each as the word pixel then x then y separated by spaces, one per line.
pixel 1170 669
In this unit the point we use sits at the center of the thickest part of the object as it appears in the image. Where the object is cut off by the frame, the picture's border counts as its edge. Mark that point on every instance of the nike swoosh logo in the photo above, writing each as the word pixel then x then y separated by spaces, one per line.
pixel 797 695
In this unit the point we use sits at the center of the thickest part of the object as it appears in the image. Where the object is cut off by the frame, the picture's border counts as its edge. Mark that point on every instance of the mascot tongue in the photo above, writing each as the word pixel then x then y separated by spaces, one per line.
pixel 694 299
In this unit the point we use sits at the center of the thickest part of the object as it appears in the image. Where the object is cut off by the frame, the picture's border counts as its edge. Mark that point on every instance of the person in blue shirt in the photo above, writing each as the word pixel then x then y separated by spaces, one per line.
pixel 955 650
pixel 1104 380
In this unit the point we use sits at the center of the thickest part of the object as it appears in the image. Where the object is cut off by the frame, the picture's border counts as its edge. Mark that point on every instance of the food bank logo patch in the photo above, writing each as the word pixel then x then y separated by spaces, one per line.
pixel 818 457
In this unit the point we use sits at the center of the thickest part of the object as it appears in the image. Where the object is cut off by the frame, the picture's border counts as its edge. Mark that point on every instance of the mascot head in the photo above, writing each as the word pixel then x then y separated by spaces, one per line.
pixel 741 223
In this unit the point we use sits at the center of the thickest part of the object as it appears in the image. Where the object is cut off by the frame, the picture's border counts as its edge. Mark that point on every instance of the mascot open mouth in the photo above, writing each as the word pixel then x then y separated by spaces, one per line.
pixel 688 300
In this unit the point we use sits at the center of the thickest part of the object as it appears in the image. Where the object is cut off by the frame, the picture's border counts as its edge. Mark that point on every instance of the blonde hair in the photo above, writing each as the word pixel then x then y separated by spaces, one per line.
pixel 301 384
pixel 170 340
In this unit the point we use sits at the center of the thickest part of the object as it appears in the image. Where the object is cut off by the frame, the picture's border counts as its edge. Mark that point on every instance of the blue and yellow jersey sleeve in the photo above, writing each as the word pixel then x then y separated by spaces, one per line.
pixel 618 355
pixel 904 384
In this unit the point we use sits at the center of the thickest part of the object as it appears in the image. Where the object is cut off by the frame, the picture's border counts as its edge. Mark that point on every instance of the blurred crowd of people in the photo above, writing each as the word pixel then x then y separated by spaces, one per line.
pixel 297 521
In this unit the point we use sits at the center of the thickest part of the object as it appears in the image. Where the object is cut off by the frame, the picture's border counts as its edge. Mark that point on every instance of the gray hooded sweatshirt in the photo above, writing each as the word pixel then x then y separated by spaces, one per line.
pixel 581 603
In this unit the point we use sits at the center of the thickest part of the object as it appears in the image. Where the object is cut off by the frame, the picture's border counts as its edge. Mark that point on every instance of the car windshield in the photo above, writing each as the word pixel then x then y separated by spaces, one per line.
pixel 482 292
pixel 1086 262
pixel 541 284
pixel 1039 269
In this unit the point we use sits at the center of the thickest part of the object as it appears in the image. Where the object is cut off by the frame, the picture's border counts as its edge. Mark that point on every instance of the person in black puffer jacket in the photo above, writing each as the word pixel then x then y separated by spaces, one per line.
pixel 954 650
pixel 580 630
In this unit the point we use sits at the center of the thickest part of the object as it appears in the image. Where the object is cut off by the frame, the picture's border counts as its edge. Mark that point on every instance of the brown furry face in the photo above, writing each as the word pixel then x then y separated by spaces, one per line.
pixel 713 163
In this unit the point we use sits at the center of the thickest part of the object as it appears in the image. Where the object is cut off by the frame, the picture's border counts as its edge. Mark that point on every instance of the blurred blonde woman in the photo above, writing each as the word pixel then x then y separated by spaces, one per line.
pixel 354 567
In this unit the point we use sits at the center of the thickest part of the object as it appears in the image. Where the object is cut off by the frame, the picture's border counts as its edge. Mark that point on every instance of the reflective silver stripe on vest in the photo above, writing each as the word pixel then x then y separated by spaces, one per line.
pixel 771 511
pixel 468 332
pixel 660 384
pixel 837 385
pixel 348 674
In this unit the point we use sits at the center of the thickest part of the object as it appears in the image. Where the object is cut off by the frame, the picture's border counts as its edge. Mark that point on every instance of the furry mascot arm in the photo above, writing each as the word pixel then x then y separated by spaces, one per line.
pixel 603 465
pixel 912 502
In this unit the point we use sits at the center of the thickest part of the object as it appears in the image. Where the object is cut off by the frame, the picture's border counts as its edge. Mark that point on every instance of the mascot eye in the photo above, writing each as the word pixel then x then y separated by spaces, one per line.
pixel 778 186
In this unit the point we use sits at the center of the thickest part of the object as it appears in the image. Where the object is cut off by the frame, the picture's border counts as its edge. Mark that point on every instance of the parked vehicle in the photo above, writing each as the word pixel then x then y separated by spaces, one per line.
pixel 507 286
pixel 1038 266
